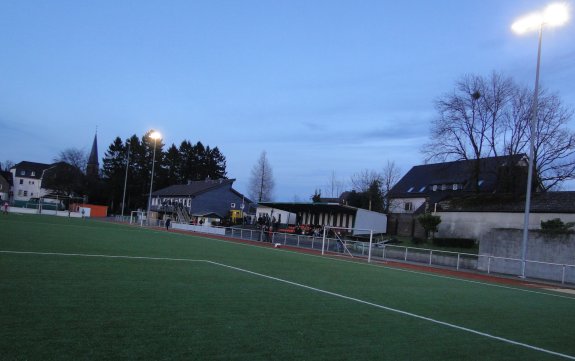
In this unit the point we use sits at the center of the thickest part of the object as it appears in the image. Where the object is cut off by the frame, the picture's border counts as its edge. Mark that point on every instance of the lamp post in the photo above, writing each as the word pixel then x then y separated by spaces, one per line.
pixel 554 15
pixel 126 181
pixel 155 136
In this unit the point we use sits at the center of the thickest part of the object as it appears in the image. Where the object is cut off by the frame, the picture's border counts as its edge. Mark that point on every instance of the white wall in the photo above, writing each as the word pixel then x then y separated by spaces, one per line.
pixel 476 224
pixel 369 220
pixel 398 204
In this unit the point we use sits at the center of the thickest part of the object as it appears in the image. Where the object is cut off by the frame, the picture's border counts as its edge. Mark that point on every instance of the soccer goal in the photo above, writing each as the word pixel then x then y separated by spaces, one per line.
pixel 354 242
pixel 137 217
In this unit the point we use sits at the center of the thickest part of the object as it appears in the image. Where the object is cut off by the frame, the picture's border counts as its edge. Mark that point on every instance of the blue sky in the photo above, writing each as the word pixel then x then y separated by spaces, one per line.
pixel 322 86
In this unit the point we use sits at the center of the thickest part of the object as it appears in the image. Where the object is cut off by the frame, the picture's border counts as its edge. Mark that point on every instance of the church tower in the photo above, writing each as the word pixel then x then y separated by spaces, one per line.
pixel 93 166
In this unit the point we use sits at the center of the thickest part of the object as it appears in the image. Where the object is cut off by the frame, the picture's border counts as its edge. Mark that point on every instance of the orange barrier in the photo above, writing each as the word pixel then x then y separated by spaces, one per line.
pixel 95 211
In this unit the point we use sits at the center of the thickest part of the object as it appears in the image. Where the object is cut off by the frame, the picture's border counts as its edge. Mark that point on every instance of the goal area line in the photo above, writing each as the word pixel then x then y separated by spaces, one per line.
pixel 300 285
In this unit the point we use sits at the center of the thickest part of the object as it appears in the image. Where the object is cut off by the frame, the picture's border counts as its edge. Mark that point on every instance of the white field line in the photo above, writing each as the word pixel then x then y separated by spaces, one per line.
pixel 105 256
pixel 377 263
pixel 390 309
pixel 405 313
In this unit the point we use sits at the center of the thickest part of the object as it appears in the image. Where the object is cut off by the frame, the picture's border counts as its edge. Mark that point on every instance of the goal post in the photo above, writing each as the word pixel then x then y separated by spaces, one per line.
pixel 137 217
pixel 335 237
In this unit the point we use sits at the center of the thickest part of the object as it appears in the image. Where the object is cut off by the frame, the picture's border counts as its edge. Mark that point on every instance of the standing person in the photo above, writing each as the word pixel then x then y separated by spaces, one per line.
pixel 5 207
pixel 168 222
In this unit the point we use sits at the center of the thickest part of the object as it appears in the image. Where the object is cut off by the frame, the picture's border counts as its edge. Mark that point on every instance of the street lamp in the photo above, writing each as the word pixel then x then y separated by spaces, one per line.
pixel 555 14
pixel 155 136
pixel 125 180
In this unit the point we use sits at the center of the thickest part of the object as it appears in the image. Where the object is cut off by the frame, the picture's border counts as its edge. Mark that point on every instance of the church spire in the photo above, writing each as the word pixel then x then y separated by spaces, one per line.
pixel 93 166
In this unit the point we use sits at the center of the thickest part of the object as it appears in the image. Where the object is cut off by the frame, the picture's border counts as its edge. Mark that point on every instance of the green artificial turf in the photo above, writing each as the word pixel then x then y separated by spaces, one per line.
pixel 182 300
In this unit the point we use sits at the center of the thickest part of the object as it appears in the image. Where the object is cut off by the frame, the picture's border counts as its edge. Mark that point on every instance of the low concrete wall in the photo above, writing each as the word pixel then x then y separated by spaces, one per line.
pixel 507 243
pixel 200 229
pixel 476 224
pixel 47 212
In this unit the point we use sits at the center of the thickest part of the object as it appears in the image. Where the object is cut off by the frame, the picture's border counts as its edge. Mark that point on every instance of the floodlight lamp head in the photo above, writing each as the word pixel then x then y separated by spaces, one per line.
pixel 555 14
pixel 155 135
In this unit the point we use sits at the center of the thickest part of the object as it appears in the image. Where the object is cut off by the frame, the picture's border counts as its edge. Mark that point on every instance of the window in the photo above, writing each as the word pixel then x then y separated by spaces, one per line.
pixel 409 190
pixel 22 172
pixel 21 181
pixel 20 192
pixel 480 182
pixel 444 187
pixel 33 174
pixel 455 186
pixel 233 205
pixel 408 206
pixel 422 189
pixel 435 187
pixel 25 193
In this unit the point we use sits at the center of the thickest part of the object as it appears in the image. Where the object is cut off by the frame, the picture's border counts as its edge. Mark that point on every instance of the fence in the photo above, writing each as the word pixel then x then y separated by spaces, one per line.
pixel 556 272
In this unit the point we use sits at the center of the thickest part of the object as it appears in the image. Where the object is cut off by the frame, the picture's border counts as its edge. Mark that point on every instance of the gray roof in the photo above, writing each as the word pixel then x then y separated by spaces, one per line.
pixel 7 176
pixel 547 202
pixel 29 167
pixel 192 188
pixel 419 181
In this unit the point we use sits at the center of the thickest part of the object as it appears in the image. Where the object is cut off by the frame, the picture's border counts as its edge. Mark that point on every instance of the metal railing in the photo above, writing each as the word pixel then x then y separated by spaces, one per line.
pixel 549 271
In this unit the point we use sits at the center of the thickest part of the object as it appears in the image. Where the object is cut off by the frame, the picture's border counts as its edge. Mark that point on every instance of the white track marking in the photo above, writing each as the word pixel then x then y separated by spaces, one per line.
pixel 390 309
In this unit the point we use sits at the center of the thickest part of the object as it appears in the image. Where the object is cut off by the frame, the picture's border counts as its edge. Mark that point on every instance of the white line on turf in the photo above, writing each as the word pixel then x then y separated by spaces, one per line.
pixel 105 256
pixel 405 313
pixel 397 269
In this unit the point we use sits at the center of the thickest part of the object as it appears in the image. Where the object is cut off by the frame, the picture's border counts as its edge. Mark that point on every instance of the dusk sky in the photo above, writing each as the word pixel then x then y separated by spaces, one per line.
pixel 322 86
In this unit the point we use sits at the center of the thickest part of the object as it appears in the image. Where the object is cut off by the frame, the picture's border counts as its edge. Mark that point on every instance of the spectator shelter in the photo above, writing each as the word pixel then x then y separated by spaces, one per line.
pixel 333 214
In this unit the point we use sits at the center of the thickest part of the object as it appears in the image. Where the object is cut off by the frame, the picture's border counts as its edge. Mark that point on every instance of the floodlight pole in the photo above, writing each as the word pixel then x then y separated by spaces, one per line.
pixel 125 181
pixel 533 135
pixel 151 183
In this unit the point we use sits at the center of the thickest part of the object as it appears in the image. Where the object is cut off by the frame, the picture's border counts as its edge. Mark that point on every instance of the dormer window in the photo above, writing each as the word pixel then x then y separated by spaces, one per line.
pixel 33 174
pixel 434 187
pixel 422 189
pixel 22 172
pixel 410 190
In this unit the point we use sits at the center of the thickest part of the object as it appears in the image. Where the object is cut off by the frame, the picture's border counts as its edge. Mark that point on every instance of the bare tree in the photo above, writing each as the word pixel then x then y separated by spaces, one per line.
pixel 73 156
pixel 5 166
pixel 360 182
pixel 554 143
pixel 490 116
pixel 261 185
pixel 334 187
pixel 389 177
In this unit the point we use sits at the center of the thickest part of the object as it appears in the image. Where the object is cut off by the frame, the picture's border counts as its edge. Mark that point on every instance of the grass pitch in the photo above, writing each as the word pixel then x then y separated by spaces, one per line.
pixel 80 289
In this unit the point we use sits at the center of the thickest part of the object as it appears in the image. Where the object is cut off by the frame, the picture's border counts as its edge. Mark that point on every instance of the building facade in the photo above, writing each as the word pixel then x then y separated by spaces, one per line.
pixel 207 200
pixel 27 180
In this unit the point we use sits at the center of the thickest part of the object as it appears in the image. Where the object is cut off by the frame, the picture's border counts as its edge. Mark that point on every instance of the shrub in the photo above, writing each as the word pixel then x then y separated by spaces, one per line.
pixel 429 223
pixel 556 226
pixel 454 242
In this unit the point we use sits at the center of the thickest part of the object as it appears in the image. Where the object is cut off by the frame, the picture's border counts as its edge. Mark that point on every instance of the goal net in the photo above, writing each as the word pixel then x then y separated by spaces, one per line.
pixel 353 242
pixel 138 217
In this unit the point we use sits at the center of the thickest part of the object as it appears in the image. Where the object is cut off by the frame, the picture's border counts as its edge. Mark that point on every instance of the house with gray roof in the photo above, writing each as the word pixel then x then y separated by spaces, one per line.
pixel 424 187
pixel 208 200
pixel 27 180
